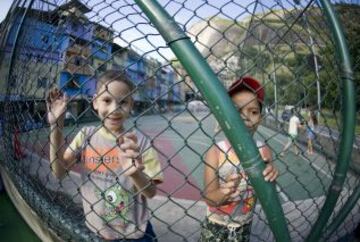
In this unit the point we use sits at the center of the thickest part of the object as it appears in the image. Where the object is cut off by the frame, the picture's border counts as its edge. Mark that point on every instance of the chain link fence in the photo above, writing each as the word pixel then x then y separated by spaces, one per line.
pixel 287 45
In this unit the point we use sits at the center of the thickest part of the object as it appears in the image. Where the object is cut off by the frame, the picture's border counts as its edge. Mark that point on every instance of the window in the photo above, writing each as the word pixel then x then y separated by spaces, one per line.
pixel 74 26
pixel 13 81
pixel 39 57
pixel 45 39
pixel 102 67
pixel 28 56
pixel 41 82
pixel 73 83
pixel 77 61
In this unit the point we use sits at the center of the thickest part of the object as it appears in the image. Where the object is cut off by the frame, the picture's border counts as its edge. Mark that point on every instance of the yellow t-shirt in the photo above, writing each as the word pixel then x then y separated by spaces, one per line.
pixel 112 206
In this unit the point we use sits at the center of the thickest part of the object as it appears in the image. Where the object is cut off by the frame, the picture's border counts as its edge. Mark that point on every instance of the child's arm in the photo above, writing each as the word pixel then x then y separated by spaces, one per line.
pixel 133 166
pixel 60 161
pixel 216 195
pixel 270 173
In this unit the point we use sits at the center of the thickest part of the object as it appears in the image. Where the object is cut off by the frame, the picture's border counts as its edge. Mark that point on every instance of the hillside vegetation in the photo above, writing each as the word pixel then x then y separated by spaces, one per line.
pixel 276 46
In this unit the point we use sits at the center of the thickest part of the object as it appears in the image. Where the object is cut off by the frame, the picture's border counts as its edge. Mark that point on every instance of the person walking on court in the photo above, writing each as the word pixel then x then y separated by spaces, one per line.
pixel 294 125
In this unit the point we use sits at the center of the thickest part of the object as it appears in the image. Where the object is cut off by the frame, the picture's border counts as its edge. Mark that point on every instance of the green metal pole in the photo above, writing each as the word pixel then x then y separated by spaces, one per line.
pixel 348 125
pixel 345 210
pixel 224 111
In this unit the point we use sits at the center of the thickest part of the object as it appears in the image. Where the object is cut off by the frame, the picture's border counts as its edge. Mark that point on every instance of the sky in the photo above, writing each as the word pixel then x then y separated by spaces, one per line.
pixel 132 29
pixel 122 17
pixel 4 8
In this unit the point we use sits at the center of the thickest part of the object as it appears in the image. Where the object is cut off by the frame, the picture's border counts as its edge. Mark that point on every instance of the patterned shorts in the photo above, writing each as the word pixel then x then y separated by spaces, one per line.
pixel 212 232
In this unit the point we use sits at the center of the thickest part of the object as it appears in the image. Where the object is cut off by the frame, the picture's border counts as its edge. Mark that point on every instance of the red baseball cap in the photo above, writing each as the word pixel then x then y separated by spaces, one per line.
pixel 250 84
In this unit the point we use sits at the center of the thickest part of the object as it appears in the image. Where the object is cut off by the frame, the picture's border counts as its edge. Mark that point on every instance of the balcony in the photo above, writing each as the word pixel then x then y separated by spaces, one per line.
pixel 75 64
pixel 102 34
pixel 79 50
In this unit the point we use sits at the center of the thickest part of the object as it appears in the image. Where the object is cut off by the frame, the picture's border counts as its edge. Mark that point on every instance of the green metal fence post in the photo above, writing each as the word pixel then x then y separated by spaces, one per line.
pixel 224 111
pixel 345 210
pixel 348 125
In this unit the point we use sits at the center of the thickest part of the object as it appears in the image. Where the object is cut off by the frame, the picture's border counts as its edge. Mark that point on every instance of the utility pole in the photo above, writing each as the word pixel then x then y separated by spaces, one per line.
pixel 275 90
pixel 316 66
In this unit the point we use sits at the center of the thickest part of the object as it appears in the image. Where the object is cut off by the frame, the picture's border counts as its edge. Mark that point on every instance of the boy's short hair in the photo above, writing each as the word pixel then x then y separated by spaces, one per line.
pixel 113 75
pixel 250 84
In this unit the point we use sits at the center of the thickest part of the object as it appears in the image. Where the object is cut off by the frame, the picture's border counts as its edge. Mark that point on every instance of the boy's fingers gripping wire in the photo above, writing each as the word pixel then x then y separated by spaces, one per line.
pixel 132 161
pixel 135 159
pixel 265 153
pixel 270 173
pixel 231 185
pixel 129 143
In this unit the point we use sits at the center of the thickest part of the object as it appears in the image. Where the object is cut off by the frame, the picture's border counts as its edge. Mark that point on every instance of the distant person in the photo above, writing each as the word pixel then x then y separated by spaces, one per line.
pixel 293 131
pixel 310 131
pixel 229 195
pixel 119 169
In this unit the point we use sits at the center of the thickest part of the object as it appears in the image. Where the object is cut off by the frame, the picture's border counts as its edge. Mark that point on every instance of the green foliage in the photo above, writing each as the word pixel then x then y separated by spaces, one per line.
pixel 349 17
pixel 290 61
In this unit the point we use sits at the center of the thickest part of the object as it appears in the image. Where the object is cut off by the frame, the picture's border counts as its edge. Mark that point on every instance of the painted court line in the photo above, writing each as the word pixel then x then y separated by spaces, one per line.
pixel 282 194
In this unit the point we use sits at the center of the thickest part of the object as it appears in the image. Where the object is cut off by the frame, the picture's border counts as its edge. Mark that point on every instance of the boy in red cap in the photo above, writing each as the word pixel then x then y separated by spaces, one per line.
pixel 230 198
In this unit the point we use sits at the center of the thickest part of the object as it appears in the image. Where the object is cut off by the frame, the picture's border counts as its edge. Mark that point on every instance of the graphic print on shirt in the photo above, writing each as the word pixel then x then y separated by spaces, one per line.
pixel 248 201
pixel 241 203
pixel 102 160
pixel 117 202
pixel 245 201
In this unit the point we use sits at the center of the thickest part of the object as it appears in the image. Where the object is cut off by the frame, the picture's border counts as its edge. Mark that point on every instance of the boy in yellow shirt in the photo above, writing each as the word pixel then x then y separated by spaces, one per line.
pixel 119 169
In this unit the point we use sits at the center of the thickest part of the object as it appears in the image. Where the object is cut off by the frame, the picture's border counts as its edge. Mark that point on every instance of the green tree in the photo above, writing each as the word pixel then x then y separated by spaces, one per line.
pixel 349 18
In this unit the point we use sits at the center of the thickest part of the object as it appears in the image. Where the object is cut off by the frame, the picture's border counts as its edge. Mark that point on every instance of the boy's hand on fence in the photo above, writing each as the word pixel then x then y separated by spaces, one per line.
pixel 270 173
pixel 230 187
pixel 56 102
pixel 265 153
pixel 131 162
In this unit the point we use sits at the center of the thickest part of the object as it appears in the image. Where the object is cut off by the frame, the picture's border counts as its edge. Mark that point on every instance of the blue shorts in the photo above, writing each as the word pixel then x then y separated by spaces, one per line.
pixel 149 236
pixel 310 134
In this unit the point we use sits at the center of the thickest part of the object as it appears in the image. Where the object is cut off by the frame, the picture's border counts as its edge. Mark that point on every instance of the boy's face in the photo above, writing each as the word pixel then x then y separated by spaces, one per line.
pixel 249 109
pixel 113 104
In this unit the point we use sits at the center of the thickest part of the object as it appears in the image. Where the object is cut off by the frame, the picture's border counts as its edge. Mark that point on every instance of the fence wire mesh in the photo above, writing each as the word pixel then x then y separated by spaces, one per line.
pixel 287 45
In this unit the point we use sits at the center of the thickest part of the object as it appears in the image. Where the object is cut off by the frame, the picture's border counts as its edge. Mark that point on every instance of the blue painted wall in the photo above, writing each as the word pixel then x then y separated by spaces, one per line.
pixel 101 49
pixel 41 42
pixel 49 43
pixel 77 29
